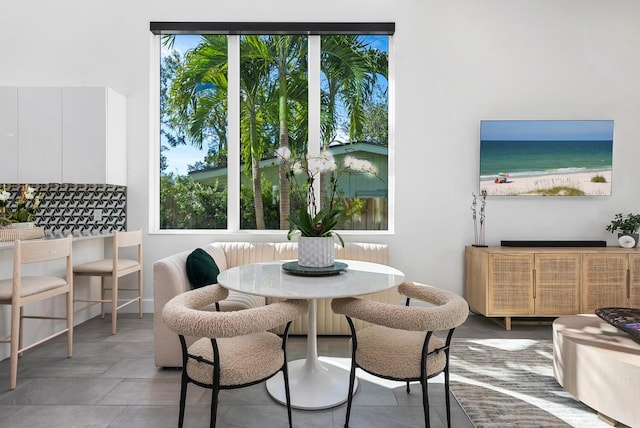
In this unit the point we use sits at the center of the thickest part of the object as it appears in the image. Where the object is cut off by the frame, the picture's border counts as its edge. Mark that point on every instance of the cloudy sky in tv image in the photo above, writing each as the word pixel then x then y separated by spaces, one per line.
pixel 546 130
pixel 544 147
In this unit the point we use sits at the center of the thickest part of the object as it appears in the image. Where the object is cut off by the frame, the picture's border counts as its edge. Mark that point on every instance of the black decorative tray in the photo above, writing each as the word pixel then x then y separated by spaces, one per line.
pixel 626 319
pixel 295 269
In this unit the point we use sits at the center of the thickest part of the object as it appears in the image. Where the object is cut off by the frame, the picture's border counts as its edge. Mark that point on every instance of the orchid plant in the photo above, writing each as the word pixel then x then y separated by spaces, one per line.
pixel 311 221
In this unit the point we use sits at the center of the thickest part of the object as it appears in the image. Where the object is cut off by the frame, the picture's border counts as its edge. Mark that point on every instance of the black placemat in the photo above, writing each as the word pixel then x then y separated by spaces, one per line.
pixel 295 269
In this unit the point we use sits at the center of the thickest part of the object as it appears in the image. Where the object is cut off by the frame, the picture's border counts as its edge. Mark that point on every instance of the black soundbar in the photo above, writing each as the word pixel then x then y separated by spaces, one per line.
pixel 553 243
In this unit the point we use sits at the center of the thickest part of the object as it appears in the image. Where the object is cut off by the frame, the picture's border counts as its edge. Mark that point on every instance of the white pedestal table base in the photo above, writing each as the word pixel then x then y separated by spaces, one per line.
pixel 314 385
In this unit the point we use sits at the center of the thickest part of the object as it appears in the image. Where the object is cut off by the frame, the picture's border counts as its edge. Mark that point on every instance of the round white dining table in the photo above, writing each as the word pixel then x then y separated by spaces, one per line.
pixel 314 384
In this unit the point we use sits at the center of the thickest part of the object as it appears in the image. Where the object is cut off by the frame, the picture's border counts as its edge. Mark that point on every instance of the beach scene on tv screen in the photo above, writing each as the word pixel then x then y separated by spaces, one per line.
pixel 546 157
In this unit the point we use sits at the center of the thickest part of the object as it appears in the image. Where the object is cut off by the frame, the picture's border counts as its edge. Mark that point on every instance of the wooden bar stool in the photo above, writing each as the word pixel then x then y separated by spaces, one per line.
pixel 22 290
pixel 115 268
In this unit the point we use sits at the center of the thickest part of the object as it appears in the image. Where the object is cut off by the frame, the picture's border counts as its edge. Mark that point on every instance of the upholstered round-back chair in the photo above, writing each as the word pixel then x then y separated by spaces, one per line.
pixel 402 345
pixel 235 349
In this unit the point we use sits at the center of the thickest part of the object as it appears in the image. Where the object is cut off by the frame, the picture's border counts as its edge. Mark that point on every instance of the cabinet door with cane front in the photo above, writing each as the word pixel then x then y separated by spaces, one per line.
pixel 557 284
pixel 604 281
pixel 511 284
pixel 634 280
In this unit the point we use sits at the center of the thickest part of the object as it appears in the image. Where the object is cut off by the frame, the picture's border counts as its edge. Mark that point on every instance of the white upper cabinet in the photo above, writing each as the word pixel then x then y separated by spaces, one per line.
pixel 94 140
pixel 70 135
pixel 9 135
pixel 39 135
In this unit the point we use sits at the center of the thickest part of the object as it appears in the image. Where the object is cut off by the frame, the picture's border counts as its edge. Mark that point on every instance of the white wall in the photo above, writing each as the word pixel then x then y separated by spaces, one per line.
pixel 458 62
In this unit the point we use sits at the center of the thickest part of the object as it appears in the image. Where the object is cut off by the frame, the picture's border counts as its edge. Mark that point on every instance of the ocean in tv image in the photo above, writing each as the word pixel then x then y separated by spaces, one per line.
pixel 546 157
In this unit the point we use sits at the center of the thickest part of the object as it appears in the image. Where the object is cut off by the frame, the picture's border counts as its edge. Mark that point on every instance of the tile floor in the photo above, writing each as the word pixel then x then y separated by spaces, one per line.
pixel 112 381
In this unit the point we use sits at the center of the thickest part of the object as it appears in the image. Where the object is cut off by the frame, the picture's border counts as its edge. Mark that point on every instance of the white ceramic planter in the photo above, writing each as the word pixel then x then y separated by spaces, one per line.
pixel 315 252
pixel 628 240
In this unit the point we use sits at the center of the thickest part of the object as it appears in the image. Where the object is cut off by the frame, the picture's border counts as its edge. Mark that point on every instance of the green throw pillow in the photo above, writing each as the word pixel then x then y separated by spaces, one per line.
pixel 201 269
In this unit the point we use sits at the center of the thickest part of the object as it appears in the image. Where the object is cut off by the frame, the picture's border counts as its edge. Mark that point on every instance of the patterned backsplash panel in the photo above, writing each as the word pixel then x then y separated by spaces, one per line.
pixel 80 209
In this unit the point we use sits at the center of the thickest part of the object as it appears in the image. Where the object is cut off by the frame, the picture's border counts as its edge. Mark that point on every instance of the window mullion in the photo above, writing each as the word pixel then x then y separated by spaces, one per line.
pixel 154 132
pixel 233 133
pixel 391 136
pixel 313 146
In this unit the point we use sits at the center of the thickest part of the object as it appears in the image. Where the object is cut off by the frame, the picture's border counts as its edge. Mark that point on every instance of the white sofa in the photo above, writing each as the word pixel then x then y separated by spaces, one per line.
pixel 170 279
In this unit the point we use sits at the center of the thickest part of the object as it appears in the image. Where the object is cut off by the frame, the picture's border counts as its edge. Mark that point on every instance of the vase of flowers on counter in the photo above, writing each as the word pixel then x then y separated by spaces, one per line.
pixel 20 213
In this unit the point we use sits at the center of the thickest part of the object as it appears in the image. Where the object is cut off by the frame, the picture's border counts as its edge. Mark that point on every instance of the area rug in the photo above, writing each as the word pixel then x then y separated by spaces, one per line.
pixel 510 383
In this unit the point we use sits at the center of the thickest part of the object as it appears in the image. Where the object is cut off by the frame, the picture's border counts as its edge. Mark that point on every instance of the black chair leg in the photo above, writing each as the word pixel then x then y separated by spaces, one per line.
pixel 352 380
pixel 183 399
pixel 214 405
pixel 287 392
pixel 425 402
pixel 408 388
pixel 447 397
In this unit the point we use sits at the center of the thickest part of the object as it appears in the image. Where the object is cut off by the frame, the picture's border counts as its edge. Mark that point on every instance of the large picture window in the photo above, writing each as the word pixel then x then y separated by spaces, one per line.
pixel 230 102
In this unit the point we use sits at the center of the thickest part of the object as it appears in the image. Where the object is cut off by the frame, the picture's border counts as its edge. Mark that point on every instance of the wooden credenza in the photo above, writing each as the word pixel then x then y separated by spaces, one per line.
pixel 508 282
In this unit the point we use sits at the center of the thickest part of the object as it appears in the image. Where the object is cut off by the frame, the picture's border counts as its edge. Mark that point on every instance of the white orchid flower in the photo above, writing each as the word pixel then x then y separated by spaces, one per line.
pixel 349 162
pixel 4 196
pixel 357 165
pixel 315 165
pixel 366 166
pixel 330 165
pixel 327 155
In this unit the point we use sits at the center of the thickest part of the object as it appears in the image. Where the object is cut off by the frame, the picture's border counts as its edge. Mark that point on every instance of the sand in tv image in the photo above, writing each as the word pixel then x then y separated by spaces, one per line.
pixel 546 157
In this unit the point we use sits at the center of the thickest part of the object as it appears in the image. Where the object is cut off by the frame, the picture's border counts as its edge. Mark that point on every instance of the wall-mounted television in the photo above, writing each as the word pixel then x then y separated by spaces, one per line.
pixel 546 157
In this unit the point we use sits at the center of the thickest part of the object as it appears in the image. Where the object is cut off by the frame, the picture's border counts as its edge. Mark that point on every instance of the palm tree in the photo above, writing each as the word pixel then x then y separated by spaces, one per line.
pixel 197 102
pixel 348 77
pixel 289 57
pixel 350 68
pixel 254 79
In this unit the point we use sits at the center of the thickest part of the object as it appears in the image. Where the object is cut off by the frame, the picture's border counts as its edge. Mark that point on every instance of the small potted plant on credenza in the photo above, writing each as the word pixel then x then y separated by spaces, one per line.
pixel 627 227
